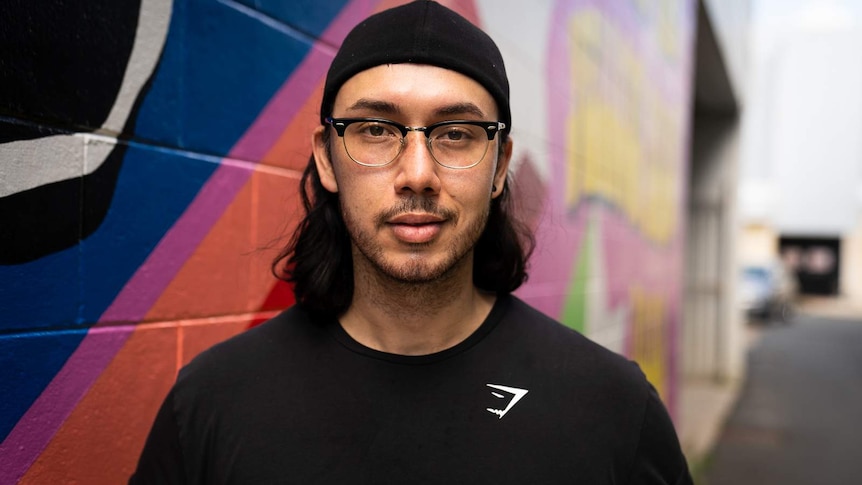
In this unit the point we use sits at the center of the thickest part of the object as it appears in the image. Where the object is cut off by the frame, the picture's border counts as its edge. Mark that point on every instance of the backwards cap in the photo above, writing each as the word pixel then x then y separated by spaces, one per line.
pixel 420 32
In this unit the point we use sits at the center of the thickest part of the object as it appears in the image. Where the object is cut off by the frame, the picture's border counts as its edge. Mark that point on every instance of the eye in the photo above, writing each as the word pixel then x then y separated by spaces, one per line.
pixel 455 134
pixel 374 130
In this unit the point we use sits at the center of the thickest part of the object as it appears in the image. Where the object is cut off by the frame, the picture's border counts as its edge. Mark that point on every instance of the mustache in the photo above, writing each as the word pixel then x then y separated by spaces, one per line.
pixel 416 204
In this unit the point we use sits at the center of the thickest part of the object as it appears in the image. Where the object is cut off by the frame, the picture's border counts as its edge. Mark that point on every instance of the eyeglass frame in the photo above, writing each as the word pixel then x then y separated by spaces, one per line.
pixel 341 124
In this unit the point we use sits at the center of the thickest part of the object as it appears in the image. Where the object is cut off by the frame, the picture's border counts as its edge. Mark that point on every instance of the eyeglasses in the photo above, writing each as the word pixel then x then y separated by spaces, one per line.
pixel 374 142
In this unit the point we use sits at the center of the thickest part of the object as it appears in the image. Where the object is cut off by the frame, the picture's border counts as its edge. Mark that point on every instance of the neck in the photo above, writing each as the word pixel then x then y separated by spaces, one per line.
pixel 410 318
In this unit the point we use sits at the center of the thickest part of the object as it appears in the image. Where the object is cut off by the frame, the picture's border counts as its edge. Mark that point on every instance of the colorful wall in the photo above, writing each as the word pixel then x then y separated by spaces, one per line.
pixel 150 154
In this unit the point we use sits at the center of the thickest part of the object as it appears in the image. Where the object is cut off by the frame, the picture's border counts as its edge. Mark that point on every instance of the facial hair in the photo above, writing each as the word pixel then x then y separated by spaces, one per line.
pixel 417 270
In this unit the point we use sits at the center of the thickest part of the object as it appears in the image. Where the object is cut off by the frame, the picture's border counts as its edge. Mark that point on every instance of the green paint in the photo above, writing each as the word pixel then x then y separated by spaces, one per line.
pixel 575 308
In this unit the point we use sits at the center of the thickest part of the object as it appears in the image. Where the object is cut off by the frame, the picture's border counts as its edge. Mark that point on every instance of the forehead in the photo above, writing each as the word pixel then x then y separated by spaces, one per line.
pixel 411 90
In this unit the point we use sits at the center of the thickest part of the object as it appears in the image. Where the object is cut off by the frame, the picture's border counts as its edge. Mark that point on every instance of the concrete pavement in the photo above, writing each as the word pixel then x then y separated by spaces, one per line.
pixel 798 416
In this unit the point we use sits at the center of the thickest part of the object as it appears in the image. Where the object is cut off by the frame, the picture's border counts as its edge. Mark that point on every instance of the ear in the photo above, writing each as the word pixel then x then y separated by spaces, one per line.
pixel 502 169
pixel 322 160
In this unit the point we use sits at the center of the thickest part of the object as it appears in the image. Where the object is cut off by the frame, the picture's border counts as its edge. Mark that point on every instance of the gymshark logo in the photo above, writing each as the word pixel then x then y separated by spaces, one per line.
pixel 516 393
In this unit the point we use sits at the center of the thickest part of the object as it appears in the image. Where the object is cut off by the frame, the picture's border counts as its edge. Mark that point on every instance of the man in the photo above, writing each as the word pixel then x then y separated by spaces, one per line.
pixel 406 359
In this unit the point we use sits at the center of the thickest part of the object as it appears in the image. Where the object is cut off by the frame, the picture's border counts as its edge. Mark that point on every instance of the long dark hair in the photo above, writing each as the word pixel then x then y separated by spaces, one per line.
pixel 318 262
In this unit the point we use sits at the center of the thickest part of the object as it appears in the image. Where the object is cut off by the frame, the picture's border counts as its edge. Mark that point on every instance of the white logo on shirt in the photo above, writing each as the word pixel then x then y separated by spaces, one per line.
pixel 516 393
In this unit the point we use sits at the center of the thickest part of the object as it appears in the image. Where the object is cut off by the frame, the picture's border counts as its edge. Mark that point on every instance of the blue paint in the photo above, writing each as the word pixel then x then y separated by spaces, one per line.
pixel 218 69
pixel 310 17
pixel 40 294
pixel 154 188
pixel 221 65
pixel 26 360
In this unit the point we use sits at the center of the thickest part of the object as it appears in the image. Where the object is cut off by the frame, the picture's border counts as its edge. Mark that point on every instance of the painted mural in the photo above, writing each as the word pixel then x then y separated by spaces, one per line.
pixel 150 153
pixel 610 246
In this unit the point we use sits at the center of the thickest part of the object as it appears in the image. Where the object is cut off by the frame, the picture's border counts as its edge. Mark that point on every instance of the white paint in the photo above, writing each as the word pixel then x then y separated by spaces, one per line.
pixel 153 23
pixel 604 325
pixel 28 164
pixel 521 31
pixel 31 163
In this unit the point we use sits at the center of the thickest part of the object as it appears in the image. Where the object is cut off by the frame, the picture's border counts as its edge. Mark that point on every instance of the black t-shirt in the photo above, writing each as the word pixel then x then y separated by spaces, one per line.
pixel 522 400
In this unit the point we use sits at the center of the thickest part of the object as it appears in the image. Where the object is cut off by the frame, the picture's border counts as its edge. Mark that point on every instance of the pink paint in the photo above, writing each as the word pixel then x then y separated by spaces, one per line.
pixel 284 106
pixel 176 247
pixel 35 429
pixel 553 258
pixel 45 417
pixel 179 243
pixel 630 259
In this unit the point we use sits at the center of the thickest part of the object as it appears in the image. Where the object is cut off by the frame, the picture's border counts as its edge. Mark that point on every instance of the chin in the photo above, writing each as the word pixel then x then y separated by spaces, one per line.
pixel 420 270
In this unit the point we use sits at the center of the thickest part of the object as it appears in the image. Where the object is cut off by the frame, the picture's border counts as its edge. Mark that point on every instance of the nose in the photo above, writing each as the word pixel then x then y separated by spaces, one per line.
pixel 417 170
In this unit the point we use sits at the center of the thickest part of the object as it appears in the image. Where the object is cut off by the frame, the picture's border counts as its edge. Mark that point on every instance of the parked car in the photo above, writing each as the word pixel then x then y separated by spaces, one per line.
pixel 768 292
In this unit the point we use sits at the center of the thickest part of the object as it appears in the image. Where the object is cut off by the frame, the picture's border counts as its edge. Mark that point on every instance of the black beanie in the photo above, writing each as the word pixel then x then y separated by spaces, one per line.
pixel 420 32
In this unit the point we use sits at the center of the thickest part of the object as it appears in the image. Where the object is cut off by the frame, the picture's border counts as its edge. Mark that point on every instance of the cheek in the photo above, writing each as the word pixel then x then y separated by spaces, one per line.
pixel 355 199
pixel 469 188
pixel 360 193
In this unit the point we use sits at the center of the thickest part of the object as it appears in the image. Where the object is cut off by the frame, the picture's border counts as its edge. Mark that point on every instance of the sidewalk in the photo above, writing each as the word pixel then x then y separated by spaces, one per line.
pixel 832 307
pixel 705 404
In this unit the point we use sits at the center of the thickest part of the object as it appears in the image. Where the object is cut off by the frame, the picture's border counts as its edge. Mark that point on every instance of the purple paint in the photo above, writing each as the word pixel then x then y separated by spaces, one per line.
pixel 178 244
pixel 41 422
pixel 293 94
pixel 35 429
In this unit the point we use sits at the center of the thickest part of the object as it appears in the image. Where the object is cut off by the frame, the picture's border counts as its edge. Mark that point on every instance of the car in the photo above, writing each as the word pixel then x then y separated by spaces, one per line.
pixel 768 292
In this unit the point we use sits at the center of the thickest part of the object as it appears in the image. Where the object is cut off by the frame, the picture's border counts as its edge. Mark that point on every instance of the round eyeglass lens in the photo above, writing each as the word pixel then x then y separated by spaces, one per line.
pixel 458 145
pixel 372 143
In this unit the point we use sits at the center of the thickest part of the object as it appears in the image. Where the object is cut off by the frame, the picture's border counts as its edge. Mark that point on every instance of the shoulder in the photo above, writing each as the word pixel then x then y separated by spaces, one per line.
pixel 588 385
pixel 659 456
pixel 567 349
pixel 252 351
pixel 576 372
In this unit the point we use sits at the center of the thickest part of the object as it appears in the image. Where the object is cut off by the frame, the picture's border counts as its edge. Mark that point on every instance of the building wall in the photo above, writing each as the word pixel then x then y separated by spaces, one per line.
pixel 800 170
pixel 713 338
pixel 730 20
pixel 601 166
pixel 151 156
pixel 851 261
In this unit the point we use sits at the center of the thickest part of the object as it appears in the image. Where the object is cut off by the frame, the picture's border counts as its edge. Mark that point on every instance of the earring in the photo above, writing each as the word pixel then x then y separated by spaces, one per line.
pixel 493 188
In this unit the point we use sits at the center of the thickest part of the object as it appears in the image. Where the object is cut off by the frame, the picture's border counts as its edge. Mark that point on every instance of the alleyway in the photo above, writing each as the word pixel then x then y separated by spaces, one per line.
pixel 798 419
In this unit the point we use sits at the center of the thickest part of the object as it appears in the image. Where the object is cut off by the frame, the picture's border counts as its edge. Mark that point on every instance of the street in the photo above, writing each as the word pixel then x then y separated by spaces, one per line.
pixel 799 415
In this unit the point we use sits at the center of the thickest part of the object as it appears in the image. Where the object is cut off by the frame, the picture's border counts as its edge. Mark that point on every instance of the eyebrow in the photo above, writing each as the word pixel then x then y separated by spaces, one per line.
pixel 384 107
pixel 389 108
pixel 461 109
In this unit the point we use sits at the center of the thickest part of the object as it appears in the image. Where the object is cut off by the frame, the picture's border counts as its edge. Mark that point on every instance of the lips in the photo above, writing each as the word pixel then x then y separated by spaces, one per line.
pixel 416 228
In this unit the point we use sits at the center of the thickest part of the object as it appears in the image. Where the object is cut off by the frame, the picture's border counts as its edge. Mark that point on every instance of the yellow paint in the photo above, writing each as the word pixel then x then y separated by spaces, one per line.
pixel 623 136
pixel 649 324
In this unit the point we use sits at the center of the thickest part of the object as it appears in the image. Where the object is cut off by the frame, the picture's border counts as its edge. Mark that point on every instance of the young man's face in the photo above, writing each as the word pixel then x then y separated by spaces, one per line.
pixel 413 220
